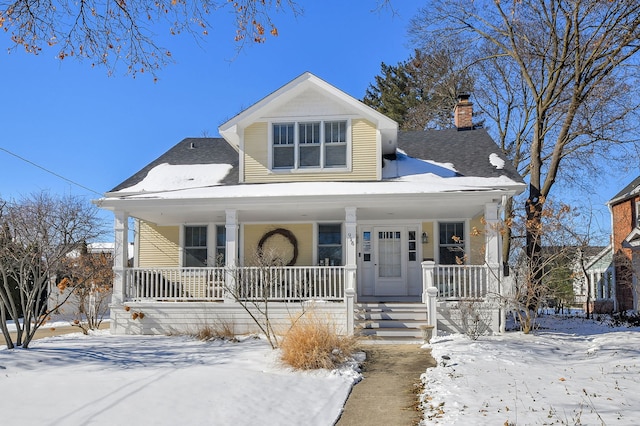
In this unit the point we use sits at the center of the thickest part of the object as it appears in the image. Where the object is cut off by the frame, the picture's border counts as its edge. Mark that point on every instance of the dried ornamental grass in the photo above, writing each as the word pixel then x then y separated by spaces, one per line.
pixel 313 343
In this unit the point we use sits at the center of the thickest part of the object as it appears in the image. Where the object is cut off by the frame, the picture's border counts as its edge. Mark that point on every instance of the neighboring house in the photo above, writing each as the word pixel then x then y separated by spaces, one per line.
pixel 58 294
pixel 599 270
pixel 625 220
pixel 377 226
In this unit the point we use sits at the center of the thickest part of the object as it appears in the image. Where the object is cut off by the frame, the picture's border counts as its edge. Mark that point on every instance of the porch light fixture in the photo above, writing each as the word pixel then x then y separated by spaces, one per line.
pixel 425 238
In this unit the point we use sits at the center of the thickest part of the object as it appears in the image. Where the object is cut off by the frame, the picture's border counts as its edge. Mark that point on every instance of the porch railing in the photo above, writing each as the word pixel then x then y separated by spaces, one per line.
pixel 462 281
pixel 246 283
pixel 602 285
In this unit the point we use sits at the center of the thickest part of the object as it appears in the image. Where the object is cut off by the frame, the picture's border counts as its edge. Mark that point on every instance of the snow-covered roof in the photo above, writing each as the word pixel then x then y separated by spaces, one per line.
pixel 401 175
pixel 427 162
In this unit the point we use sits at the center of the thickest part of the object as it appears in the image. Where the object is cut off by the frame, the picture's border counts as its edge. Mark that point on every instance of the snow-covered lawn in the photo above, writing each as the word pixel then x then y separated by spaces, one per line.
pixel 163 380
pixel 572 371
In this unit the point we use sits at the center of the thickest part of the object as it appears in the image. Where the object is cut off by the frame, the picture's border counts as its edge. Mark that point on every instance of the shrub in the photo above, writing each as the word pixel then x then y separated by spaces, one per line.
pixel 313 343
pixel 219 330
pixel 625 319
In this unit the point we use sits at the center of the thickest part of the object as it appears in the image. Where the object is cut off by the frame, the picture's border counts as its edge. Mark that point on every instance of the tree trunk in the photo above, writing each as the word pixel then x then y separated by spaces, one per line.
pixel 533 206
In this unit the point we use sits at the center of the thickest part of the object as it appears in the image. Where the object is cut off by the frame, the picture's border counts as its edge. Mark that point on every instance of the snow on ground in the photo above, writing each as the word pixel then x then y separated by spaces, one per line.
pixel 570 371
pixel 163 380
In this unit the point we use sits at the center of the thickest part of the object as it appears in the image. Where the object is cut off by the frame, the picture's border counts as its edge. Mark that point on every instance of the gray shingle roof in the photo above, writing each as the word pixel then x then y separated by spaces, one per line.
pixel 626 191
pixel 192 151
pixel 467 150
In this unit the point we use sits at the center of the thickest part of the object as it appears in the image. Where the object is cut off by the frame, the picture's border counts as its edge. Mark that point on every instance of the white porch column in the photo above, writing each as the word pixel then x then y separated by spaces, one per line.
pixel 351 266
pixel 120 258
pixel 231 243
pixel 231 250
pixel 430 294
pixel 493 259
pixel 493 239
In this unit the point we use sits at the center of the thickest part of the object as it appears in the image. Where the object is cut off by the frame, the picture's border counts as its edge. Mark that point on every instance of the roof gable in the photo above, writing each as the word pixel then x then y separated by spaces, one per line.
pixel 633 240
pixel 307 83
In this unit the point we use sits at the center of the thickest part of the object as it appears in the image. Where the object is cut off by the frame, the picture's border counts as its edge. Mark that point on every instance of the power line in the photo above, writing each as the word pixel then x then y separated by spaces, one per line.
pixel 49 171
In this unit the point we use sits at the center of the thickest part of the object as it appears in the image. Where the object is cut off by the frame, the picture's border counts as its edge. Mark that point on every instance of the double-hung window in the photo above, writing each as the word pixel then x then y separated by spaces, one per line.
pixel 221 245
pixel 330 244
pixel 452 243
pixel 195 246
pixel 335 144
pixel 283 146
pixel 309 145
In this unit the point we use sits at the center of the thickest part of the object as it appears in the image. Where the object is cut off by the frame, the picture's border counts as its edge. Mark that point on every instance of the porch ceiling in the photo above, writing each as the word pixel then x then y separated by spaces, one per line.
pixel 391 207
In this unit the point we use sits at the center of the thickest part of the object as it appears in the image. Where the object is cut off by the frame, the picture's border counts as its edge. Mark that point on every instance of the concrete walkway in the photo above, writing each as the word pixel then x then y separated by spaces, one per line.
pixel 387 395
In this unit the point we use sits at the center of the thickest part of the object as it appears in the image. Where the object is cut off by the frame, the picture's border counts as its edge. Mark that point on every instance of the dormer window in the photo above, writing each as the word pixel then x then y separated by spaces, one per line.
pixel 309 145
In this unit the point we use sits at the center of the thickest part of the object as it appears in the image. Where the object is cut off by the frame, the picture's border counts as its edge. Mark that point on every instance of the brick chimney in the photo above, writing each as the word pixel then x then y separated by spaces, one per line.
pixel 463 112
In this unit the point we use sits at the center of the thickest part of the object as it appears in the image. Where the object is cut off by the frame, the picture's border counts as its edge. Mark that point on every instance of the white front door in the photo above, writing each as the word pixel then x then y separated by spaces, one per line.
pixel 390 261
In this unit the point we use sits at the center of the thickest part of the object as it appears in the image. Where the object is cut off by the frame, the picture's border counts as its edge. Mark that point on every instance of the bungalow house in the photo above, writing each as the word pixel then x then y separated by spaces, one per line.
pixel 311 197
pixel 625 220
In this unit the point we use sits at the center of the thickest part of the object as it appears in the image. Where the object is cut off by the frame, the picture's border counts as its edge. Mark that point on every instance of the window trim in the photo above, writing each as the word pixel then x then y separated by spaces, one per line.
pixel 212 247
pixel 322 146
pixel 183 259
pixel 341 245
pixel 439 245
pixel 217 260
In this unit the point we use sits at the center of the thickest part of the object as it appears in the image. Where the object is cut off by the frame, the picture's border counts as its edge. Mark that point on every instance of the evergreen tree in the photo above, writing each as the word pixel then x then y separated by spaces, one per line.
pixel 421 92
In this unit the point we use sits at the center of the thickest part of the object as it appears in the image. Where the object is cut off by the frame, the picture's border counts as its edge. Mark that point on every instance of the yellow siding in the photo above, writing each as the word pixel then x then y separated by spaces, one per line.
pixel 364 157
pixel 159 245
pixel 278 245
pixel 365 153
pixel 256 152
pixel 428 249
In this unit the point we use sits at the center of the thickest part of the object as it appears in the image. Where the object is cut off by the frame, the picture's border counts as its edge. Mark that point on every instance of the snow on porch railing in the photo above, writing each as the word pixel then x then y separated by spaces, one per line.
pixel 251 283
pixel 462 281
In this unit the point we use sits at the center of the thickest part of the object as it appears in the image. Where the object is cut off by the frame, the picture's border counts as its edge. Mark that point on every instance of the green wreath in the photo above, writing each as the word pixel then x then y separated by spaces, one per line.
pixel 288 235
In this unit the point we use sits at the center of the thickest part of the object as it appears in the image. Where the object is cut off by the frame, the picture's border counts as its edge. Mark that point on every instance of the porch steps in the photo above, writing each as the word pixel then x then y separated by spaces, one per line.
pixel 391 322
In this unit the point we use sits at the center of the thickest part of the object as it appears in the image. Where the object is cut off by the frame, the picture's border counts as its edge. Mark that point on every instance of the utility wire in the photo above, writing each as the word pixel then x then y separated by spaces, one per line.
pixel 49 171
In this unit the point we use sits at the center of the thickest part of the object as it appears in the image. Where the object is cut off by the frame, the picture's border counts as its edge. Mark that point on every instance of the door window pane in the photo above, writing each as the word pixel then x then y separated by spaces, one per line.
pixel 390 255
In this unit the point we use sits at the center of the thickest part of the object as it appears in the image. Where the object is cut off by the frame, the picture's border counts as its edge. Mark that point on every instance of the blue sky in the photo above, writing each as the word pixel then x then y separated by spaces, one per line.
pixel 97 130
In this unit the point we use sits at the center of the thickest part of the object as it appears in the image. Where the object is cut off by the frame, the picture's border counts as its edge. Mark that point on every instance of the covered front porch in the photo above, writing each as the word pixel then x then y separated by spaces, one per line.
pixel 175 299
pixel 386 252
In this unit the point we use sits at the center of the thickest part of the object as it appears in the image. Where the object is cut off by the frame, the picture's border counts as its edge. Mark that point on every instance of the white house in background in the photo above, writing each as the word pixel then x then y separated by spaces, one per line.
pixel 56 296
pixel 599 283
pixel 385 230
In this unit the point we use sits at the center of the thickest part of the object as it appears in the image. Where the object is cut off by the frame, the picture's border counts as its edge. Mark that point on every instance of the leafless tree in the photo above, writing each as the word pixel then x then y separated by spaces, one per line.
pixel 572 65
pixel 111 32
pixel 89 276
pixel 564 237
pixel 38 234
